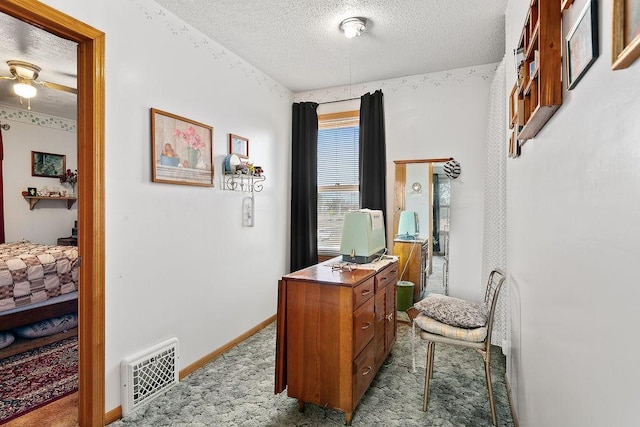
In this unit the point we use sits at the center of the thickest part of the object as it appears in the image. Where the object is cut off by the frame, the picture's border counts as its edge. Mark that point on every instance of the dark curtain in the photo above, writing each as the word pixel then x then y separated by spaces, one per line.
pixel 1 191
pixel 304 186
pixel 436 213
pixel 373 156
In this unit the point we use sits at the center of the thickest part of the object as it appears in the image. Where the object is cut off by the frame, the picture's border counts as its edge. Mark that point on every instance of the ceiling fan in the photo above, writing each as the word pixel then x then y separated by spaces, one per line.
pixel 26 74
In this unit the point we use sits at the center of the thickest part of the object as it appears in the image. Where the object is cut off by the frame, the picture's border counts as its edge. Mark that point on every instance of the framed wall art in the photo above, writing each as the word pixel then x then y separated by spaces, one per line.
pixel 47 164
pixel 582 44
pixel 625 33
pixel 182 150
pixel 238 145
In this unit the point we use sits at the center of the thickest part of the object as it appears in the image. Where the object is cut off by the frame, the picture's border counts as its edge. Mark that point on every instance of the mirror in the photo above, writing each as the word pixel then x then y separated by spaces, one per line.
pixel 421 223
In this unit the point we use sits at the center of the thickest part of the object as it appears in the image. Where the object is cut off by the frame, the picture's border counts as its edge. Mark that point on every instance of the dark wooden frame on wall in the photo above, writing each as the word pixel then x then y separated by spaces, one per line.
pixel 90 59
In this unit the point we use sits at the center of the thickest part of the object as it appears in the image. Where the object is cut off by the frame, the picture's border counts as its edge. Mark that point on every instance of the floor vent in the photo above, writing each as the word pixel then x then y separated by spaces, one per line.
pixel 146 375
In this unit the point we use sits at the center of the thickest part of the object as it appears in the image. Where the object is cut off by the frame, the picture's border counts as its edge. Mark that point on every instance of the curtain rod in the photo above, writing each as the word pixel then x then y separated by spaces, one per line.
pixel 5 126
pixel 339 100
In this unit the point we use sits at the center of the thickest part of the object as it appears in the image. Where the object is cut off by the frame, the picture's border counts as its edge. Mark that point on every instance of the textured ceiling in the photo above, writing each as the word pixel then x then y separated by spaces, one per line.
pixel 297 43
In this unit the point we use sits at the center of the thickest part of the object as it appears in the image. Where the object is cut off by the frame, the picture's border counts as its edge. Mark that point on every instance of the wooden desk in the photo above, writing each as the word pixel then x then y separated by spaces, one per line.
pixel 335 329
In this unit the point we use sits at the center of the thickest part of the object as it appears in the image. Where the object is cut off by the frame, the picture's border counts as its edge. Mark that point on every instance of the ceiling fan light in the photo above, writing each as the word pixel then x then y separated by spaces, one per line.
pixel 353 27
pixel 24 90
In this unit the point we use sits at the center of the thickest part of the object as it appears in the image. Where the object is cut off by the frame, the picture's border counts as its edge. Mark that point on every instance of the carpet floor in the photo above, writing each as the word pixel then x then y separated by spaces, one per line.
pixel 37 377
pixel 236 389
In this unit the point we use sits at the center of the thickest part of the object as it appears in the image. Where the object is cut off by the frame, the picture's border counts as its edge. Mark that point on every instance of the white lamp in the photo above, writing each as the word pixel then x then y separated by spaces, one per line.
pixel 408 226
pixel 353 27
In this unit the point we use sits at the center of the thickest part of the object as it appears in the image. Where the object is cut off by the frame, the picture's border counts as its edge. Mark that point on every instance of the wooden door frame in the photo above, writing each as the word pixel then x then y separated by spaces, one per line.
pixel 91 47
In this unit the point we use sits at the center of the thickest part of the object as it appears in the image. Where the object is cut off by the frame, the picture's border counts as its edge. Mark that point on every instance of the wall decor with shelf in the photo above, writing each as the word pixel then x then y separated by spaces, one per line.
pixel 538 90
pixel 243 176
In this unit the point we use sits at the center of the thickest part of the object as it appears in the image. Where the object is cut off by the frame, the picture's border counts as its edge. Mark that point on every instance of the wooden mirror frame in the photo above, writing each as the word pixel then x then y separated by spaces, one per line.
pixel 399 201
pixel 91 48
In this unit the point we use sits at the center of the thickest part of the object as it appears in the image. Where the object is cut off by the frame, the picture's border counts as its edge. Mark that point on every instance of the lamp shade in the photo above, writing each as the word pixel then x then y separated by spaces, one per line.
pixel 408 227
pixel 24 90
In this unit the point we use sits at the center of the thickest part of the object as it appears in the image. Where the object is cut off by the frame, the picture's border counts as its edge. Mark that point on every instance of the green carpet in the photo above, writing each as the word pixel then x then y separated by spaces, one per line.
pixel 237 390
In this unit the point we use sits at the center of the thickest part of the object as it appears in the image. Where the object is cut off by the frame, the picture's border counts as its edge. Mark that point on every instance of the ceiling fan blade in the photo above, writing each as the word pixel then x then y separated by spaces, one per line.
pixel 57 86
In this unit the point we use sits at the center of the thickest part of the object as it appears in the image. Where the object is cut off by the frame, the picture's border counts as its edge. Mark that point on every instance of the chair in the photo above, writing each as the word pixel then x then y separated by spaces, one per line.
pixel 442 325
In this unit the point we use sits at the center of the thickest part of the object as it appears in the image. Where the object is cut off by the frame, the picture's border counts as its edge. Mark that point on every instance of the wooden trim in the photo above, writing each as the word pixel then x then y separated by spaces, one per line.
pixel 398 201
pixel 514 414
pixel 436 160
pixel 113 415
pixel 339 116
pixel 213 355
pixel 91 47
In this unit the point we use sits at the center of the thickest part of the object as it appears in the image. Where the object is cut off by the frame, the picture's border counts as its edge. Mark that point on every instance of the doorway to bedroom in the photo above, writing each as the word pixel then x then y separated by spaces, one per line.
pixel 90 190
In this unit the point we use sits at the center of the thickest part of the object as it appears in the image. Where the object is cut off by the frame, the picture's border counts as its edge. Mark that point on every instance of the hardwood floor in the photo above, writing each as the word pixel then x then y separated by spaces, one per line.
pixel 61 413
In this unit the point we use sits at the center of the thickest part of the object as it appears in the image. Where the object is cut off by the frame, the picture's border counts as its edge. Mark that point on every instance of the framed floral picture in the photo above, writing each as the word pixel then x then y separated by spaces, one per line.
pixel 238 145
pixel 182 150
pixel 47 164
pixel 625 33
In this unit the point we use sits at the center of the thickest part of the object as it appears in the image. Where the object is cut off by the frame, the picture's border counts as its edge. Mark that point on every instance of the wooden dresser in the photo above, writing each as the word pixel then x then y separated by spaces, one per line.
pixel 335 329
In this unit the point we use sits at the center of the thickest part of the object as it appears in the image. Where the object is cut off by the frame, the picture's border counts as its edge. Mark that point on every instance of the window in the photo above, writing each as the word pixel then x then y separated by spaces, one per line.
pixel 338 176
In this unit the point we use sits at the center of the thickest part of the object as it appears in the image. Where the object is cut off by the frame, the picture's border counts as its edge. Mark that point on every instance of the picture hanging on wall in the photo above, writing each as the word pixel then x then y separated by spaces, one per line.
pixel 625 33
pixel 182 150
pixel 238 145
pixel 582 44
pixel 47 164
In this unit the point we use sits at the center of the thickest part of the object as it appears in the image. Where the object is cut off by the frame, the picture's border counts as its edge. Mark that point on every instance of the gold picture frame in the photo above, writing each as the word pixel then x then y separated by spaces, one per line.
pixel 625 33
pixel 182 150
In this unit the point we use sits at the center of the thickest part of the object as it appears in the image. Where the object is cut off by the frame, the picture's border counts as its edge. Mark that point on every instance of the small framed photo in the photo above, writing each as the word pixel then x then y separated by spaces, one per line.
pixel 582 44
pixel 48 165
pixel 238 145
pixel 625 33
pixel 32 191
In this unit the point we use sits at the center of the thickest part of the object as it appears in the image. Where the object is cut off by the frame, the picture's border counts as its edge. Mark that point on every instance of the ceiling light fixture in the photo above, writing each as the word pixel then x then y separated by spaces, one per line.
pixel 353 27
pixel 24 89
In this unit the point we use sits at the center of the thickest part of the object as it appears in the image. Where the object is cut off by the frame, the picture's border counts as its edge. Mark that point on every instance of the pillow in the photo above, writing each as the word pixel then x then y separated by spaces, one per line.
pixel 48 327
pixel 6 339
pixel 453 311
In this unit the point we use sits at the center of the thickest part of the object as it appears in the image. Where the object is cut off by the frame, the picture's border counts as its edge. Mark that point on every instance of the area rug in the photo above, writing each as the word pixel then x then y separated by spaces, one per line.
pixel 36 377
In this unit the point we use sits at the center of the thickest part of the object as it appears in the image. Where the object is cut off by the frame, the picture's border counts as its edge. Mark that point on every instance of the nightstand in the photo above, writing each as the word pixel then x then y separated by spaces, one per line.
pixel 68 241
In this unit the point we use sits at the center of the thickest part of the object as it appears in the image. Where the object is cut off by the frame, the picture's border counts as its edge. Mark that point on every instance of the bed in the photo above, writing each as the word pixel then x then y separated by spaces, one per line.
pixel 37 282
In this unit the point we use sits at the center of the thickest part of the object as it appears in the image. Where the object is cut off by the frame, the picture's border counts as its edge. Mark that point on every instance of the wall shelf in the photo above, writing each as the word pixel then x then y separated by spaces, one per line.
pixel 540 92
pixel 243 182
pixel 33 200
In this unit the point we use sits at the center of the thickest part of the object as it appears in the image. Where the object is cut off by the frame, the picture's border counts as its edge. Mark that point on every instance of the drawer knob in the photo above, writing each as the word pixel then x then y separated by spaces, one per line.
pixel 367 370
pixel 366 326
pixel 366 292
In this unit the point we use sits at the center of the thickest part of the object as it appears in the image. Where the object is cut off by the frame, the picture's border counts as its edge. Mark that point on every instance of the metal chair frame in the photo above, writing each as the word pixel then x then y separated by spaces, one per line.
pixel 494 284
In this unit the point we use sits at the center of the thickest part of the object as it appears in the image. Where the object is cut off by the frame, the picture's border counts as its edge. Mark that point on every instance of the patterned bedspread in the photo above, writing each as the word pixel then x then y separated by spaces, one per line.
pixel 30 272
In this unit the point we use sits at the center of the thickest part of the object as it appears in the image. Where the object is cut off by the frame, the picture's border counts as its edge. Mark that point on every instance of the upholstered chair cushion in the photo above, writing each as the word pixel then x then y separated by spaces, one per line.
pixel 430 325
pixel 453 311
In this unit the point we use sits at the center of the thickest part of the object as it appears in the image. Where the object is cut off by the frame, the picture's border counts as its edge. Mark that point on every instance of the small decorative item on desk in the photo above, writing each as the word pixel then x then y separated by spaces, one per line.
pixel 70 178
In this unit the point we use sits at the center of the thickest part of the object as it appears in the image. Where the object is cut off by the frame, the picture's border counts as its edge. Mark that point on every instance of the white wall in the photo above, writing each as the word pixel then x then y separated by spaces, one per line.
pixel 573 233
pixel 179 263
pixel 48 220
pixel 431 116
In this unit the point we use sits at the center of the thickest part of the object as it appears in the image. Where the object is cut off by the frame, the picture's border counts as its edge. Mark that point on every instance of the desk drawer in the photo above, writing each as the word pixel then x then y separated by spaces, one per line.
pixel 363 292
pixel 363 325
pixel 387 276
